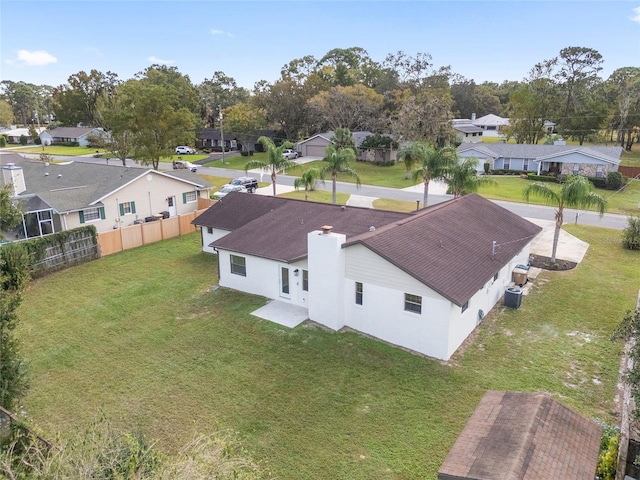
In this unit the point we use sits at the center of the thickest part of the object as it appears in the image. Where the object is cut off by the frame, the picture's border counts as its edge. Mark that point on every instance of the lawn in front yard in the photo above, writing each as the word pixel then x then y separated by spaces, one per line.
pixel 61 150
pixel 370 174
pixel 511 188
pixel 141 338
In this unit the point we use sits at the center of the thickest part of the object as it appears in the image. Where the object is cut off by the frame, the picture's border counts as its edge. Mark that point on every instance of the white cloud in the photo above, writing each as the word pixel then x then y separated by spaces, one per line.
pixel 636 15
pixel 35 58
pixel 160 61
pixel 220 32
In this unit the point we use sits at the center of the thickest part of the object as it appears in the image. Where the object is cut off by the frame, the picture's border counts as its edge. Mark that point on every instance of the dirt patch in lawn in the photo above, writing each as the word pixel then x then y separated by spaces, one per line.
pixel 546 263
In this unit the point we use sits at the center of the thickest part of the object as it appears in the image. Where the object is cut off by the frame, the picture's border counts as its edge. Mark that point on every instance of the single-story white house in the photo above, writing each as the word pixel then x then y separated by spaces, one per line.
pixel 59 197
pixel 421 281
pixel 77 135
pixel 13 134
pixel 592 161
pixel 491 124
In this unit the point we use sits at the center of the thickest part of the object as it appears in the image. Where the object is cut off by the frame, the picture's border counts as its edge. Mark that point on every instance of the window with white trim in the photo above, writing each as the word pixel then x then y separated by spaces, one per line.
pixel 238 265
pixel 305 280
pixel 91 214
pixel 210 230
pixel 525 165
pixel 600 171
pixel 359 293
pixel 190 197
pixel 465 305
pixel 412 303
pixel 506 164
pixel 576 169
pixel 127 208
pixel 496 276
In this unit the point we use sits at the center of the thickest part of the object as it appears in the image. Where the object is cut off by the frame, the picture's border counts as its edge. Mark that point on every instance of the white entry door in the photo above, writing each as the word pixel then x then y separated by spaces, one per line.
pixel 173 209
pixel 285 284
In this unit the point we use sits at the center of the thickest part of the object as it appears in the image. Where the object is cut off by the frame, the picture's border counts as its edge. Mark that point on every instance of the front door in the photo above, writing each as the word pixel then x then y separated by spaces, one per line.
pixel 285 287
pixel 173 210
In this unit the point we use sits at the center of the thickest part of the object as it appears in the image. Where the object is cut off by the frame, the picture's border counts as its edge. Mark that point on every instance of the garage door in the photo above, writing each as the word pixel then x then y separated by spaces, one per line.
pixel 315 151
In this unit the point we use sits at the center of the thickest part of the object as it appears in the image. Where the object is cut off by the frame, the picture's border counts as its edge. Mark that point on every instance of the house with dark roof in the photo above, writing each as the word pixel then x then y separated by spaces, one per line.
pixel 79 135
pixel 58 197
pixel 524 436
pixel 316 145
pixel 422 281
pixel 591 161
pixel 211 137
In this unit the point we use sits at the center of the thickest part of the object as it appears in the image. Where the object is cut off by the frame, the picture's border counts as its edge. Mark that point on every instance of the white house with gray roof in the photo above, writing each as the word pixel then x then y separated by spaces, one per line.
pixel 592 161
pixel 79 135
pixel 59 197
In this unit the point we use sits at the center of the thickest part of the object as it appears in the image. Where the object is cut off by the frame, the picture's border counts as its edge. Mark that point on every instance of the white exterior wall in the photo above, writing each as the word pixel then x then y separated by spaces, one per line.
pixel 326 261
pixel 208 238
pixel 150 197
pixel 263 277
pixel 382 313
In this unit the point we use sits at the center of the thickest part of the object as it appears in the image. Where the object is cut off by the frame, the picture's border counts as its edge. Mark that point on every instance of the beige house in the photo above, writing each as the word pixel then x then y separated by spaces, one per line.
pixel 59 197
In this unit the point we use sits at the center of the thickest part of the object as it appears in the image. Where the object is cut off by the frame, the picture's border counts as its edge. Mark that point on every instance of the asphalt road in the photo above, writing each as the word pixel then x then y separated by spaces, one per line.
pixel 608 220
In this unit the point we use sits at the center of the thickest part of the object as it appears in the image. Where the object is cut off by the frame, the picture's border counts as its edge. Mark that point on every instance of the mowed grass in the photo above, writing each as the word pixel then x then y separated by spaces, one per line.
pixel 140 337
pixel 321 196
pixel 511 188
pixel 370 174
pixel 61 150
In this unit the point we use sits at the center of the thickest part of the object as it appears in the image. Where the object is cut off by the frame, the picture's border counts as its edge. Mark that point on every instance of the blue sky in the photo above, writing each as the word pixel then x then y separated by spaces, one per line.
pixel 46 42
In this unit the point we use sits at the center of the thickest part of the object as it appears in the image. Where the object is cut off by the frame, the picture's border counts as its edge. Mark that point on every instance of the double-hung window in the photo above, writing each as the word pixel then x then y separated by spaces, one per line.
pixel 412 303
pixel 506 164
pixel 359 293
pixel 189 197
pixel 238 265
pixel 599 171
pixel 91 214
pixel 305 280
pixel 127 208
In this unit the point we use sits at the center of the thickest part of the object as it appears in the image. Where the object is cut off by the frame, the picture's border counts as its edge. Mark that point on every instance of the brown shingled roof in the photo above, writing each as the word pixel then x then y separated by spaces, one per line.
pixel 280 233
pixel 449 246
pixel 524 436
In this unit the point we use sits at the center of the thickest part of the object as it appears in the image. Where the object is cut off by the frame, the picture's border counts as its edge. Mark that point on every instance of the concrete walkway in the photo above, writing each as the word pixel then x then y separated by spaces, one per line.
pixel 569 247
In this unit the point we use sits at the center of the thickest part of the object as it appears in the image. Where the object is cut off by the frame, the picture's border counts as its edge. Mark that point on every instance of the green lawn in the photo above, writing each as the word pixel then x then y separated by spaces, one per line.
pixel 140 337
pixel 370 174
pixel 511 188
pixel 321 196
pixel 60 150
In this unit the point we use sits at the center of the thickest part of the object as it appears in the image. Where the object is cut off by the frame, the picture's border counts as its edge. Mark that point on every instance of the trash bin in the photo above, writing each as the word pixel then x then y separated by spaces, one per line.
pixel 512 297
pixel 165 214
pixel 520 276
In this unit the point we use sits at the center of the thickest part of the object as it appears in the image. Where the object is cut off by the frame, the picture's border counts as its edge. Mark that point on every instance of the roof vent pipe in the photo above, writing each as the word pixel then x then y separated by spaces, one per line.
pixel 326 229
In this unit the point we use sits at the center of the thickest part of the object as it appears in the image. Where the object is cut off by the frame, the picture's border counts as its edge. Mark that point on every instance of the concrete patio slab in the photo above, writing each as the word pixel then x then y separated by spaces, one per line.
pixel 282 313
pixel 435 187
pixel 569 247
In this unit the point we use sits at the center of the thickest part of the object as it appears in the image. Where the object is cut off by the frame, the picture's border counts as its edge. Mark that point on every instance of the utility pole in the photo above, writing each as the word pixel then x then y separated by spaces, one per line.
pixel 221 132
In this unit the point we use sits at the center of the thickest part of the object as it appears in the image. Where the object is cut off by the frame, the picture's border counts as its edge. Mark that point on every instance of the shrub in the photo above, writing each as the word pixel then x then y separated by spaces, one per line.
pixel 37 141
pixel 487 167
pixel 502 171
pixel 540 178
pixel 3 141
pixel 631 234
pixel 598 182
pixel 23 139
pixel 243 153
pixel 384 163
pixel 608 456
pixel 615 180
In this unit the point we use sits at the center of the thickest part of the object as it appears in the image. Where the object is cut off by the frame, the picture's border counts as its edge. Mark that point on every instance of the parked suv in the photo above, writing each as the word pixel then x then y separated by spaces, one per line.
pixel 184 150
pixel 251 184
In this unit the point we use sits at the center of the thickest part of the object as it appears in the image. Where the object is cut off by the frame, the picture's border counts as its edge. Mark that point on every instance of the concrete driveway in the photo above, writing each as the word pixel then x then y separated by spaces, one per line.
pixel 569 247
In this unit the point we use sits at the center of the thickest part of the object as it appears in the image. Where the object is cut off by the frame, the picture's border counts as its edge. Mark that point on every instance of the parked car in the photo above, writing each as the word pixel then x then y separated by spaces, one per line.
pixel 184 150
pixel 251 184
pixel 182 164
pixel 228 189
pixel 290 154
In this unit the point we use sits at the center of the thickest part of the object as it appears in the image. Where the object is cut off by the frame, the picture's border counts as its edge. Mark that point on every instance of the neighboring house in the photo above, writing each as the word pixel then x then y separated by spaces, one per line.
pixel 79 135
pixel 467 133
pixel 316 145
pixel 13 135
pixel 491 124
pixel 60 197
pixel 590 161
pixel 524 436
pixel 211 137
pixel 422 281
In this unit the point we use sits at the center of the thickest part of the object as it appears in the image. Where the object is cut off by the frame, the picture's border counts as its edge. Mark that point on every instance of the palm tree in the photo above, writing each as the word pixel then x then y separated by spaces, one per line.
pixel 338 162
pixel 463 178
pixel 412 153
pixel 307 181
pixel 576 192
pixel 436 162
pixel 276 161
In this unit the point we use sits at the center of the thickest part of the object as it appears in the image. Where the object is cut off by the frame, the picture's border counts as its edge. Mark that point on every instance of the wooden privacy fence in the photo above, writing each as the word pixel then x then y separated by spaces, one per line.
pixel 630 172
pixel 72 248
pixel 144 233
